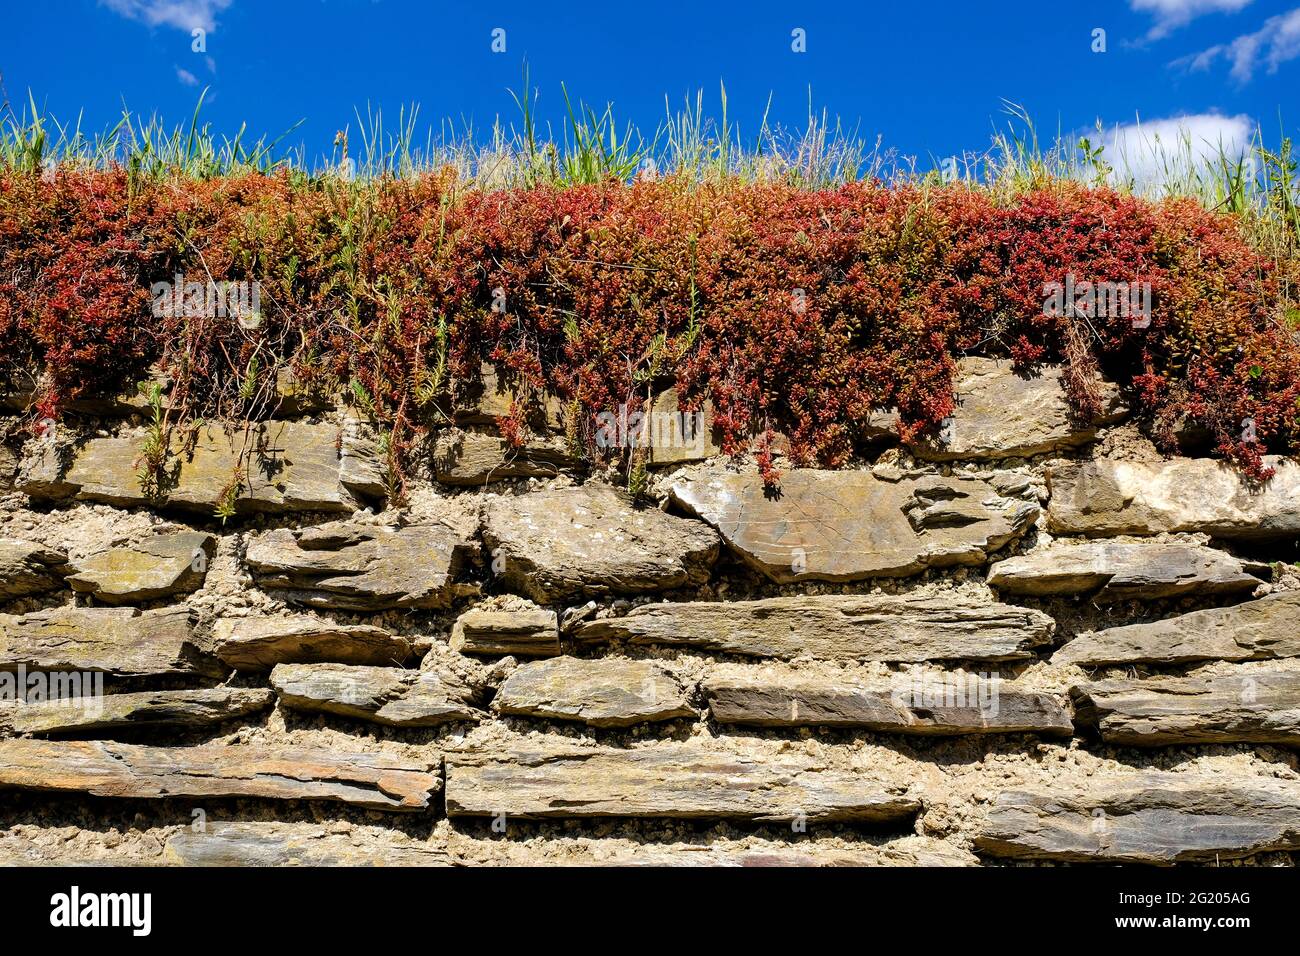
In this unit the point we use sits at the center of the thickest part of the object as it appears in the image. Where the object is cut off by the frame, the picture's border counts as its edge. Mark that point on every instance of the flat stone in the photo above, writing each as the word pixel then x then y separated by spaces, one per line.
pixel 10 460
pixel 299 397
pixel 1003 414
pixel 19 391
pixel 1254 630
pixel 27 568
pixel 675 437
pixel 370 779
pixel 683 780
pixel 964 704
pixel 1255 707
pixel 260 643
pixel 592 540
pixel 1116 571
pixel 491 399
pixel 530 632
pixel 122 642
pixel 157 567
pixel 880 425
pixel 267 844
pixel 851 525
pixel 42 471
pixel 608 692
pixel 285 467
pixel 477 458
pixel 1105 498
pixel 362 468
pixel 1148 817
pixel 161 708
pixel 668 436
pixel 361 567
pixel 382 695
pixel 836 627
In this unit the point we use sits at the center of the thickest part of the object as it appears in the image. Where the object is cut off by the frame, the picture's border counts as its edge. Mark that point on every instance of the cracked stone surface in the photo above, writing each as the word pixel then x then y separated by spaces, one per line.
pixel 835 627
pixel 1153 817
pixel 354 566
pixel 382 695
pixel 283 467
pixel 851 525
pixel 1252 630
pixel 1106 498
pixel 99 768
pixel 584 541
pixel 1003 414
pixel 599 693
pixel 666 780
pixel 157 567
pixel 1117 571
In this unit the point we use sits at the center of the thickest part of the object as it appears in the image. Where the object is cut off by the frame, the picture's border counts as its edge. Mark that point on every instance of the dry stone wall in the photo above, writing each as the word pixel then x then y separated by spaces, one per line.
pixel 1027 638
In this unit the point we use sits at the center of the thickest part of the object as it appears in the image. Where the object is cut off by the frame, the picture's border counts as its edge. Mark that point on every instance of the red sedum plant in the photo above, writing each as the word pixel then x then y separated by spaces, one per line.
pixel 792 311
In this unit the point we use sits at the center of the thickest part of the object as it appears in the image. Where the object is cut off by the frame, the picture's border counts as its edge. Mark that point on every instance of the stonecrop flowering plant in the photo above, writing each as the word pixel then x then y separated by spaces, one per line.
pixel 794 310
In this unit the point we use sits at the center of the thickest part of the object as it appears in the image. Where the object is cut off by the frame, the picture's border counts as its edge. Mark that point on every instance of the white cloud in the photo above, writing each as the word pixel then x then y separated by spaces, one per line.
pixel 1273 44
pixel 1165 150
pixel 186 77
pixel 181 14
pixel 1172 14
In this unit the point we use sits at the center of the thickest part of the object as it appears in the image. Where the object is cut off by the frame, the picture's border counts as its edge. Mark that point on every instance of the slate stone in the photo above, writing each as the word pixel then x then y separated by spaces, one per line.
pixel 369 779
pixel 606 692
pixel 1105 498
pixel 361 567
pixel 1255 707
pixel 260 643
pixel 592 540
pixel 27 568
pixel 1253 630
pixel 529 632
pixel 159 566
pixel 681 780
pixel 477 458
pixel 1119 571
pixel 1151 817
pixel 122 642
pixel 284 467
pixel 963 704
pixel 381 695
pixel 851 525
pixel 278 844
pixel 161 708
pixel 835 627
pixel 1005 414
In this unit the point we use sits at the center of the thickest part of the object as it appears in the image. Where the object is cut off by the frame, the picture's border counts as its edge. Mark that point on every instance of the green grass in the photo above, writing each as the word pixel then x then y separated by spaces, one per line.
pixel 33 140
pixel 1260 185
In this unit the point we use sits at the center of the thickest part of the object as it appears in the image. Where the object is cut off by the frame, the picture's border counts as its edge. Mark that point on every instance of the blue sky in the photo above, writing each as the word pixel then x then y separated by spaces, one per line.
pixel 929 78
